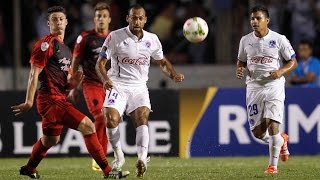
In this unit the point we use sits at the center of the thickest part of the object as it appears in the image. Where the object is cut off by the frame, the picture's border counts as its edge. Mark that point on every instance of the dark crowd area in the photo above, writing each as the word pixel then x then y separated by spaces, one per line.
pixel 228 20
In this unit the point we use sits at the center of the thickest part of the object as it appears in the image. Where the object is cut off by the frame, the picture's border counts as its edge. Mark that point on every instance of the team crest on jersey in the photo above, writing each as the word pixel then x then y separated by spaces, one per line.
pixel 44 46
pixel 79 39
pixel 148 44
pixel 272 44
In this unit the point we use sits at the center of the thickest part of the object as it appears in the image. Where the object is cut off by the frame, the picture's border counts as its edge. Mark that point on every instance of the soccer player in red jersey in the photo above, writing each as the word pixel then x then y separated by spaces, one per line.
pixel 50 65
pixel 85 54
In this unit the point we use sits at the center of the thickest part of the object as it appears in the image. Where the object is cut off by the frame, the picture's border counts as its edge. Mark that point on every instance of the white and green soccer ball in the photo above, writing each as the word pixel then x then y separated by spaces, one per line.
pixel 195 29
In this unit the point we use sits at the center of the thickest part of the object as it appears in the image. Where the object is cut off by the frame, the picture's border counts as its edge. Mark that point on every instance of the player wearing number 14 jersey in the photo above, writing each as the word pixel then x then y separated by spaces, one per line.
pixel 130 51
pixel 262 53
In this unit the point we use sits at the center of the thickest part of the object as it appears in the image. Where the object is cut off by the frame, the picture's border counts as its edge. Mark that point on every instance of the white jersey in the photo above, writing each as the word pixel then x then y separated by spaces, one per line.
pixel 264 55
pixel 130 57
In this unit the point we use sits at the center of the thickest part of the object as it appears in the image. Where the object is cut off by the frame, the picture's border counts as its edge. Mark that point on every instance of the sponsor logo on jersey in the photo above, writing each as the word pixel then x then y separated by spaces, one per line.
pixel 65 64
pixel 261 59
pixel 139 61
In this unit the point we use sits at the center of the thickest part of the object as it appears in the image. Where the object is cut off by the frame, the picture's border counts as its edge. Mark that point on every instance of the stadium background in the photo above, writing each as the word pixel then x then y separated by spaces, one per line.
pixel 204 116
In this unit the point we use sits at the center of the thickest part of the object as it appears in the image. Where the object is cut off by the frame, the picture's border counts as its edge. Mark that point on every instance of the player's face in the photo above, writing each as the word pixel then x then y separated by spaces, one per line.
pixel 304 51
pixel 57 23
pixel 102 19
pixel 136 19
pixel 259 22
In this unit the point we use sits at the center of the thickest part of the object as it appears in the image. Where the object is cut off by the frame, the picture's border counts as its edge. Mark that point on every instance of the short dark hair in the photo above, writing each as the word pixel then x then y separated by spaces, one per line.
pixel 137 6
pixel 54 9
pixel 307 42
pixel 261 8
pixel 102 6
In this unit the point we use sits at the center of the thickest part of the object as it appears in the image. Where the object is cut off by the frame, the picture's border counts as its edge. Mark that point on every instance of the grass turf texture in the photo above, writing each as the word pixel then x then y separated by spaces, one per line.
pixel 243 168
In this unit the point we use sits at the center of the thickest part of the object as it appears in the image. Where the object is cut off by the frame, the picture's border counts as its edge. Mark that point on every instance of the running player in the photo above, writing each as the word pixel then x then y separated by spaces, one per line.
pixel 262 53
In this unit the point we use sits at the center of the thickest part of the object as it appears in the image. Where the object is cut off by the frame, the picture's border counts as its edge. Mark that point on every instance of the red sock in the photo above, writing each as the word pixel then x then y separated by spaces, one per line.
pixel 38 153
pixel 101 131
pixel 96 151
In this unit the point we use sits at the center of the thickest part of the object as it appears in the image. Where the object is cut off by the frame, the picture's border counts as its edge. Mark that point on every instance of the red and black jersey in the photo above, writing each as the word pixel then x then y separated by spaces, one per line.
pixel 54 57
pixel 87 48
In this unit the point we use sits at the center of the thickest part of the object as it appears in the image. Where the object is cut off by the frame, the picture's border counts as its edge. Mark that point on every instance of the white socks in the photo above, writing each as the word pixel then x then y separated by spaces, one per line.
pixel 114 139
pixel 275 143
pixel 142 140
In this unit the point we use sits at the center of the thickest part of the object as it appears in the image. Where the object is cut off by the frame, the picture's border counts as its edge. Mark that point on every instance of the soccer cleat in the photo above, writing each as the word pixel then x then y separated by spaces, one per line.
pixel 271 170
pixel 284 152
pixel 95 166
pixel 141 166
pixel 117 163
pixel 117 175
pixel 24 170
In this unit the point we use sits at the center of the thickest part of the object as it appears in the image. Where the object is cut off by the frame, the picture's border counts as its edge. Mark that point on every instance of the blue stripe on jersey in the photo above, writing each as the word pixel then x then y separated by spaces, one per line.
pixel 293 56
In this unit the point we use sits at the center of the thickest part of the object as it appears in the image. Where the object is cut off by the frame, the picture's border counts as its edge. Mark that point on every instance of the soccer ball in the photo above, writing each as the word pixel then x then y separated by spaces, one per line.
pixel 195 29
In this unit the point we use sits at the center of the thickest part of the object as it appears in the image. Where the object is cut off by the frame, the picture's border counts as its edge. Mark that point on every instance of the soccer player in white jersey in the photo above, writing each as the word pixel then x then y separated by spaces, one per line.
pixel 130 50
pixel 267 56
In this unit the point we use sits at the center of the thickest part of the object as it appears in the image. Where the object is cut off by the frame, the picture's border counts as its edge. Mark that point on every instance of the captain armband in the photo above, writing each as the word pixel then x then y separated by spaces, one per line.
pixel 103 52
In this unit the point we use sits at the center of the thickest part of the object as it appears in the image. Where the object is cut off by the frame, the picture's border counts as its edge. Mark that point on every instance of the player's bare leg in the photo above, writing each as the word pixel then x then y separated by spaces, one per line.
pixel 261 131
pixel 140 117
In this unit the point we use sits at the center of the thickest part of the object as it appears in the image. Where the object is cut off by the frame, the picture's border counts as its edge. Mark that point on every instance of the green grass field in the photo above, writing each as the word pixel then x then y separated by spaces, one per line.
pixel 164 168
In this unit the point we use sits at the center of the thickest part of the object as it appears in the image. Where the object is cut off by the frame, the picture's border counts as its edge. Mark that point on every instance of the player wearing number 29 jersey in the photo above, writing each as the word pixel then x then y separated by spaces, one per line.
pixel 267 56
pixel 264 55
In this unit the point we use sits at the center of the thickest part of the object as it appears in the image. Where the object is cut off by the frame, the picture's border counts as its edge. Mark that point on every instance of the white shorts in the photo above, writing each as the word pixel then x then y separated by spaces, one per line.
pixel 127 99
pixel 266 102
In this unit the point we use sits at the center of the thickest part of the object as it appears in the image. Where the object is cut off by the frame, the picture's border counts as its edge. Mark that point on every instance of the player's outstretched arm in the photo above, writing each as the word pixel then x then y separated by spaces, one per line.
pixel 31 90
pixel 169 71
